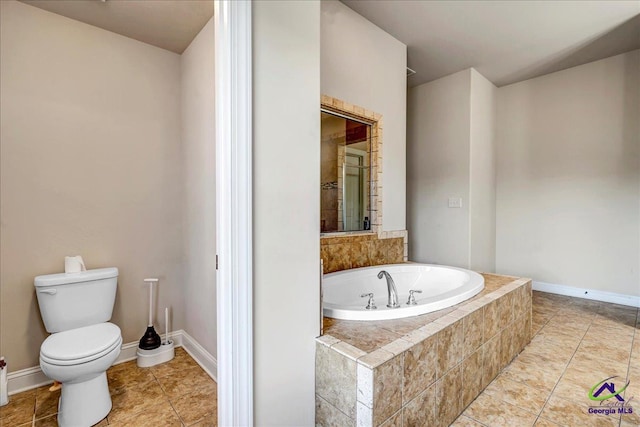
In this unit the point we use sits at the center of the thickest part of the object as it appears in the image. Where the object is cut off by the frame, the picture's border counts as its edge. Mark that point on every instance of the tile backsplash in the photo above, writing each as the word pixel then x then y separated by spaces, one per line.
pixel 362 250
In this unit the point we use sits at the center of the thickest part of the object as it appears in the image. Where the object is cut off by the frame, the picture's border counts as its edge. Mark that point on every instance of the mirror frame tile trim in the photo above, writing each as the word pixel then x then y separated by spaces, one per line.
pixel 375 121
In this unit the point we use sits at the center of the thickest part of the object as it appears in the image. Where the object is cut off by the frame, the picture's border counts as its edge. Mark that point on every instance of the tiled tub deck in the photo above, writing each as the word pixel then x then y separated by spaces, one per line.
pixel 422 370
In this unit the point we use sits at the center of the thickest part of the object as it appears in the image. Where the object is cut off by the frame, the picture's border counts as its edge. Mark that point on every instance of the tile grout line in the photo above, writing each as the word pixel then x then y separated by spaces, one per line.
pixel 497 375
pixel 563 372
pixel 600 306
pixel 633 339
pixel 481 375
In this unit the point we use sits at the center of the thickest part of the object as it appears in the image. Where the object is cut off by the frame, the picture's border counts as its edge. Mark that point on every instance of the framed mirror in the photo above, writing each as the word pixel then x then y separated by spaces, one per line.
pixel 346 173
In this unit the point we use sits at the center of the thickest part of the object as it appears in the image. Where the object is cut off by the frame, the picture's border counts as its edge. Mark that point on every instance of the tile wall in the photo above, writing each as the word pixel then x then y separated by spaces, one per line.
pixel 362 250
pixel 429 375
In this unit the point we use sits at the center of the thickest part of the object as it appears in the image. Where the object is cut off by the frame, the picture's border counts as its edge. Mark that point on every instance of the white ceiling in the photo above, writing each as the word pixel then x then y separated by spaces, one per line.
pixel 168 24
pixel 506 41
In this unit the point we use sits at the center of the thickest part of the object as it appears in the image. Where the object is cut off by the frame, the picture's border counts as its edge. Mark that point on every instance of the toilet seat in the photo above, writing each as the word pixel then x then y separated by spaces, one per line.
pixel 81 345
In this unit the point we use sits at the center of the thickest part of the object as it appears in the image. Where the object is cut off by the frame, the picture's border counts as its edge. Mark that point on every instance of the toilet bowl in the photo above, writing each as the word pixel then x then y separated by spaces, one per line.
pixel 76 309
pixel 79 359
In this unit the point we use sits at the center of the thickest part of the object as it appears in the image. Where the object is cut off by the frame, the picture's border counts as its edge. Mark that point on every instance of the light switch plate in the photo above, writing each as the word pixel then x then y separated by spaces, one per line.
pixel 455 202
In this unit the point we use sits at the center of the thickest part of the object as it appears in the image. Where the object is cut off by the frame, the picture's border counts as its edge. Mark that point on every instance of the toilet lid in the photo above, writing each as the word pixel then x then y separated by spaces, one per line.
pixel 81 343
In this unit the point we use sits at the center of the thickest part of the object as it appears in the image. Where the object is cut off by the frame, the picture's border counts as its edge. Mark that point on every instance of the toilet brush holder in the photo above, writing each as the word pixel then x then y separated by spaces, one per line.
pixel 164 353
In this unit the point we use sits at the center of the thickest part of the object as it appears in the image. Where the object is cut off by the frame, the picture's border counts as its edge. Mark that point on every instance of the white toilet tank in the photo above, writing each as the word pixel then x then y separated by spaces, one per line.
pixel 73 300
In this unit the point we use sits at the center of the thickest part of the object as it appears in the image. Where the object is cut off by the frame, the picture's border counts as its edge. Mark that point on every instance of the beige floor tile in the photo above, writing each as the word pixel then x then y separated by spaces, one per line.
pixel 138 398
pixel 578 380
pixel 128 374
pixel 464 421
pixel 528 374
pixel 618 311
pixel 185 381
pixel 537 371
pixel 597 363
pixel 620 353
pixel 569 322
pixel 542 313
pixel 493 412
pixel 181 361
pixel 208 421
pixel 159 415
pixel 541 422
pixel 602 333
pixel 578 312
pixel 560 328
pixel 19 410
pixel 29 394
pixel 46 402
pixel 133 400
pixel 554 335
pixel 50 421
pixel 196 406
pixel 567 413
pixel 550 349
pixel 604 352
pixel 617 325
pixel 535 328
pixel 568 389
pixel 518 394
pixel 551 298
pixel 632 396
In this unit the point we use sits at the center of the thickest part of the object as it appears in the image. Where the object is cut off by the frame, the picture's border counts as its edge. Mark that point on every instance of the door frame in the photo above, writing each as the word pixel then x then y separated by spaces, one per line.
pixel 234 261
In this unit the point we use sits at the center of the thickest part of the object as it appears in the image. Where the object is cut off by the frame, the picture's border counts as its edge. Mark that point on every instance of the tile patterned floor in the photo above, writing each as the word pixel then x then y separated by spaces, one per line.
pixel 176 393
pixel 576 343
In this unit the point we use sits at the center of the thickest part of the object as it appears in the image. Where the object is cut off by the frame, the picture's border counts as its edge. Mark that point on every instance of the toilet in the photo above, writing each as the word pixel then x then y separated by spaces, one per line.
pixel 76 309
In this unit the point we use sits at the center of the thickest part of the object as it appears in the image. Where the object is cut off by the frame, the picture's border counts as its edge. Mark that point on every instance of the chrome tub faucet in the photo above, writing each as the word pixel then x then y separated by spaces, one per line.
pixel 391 289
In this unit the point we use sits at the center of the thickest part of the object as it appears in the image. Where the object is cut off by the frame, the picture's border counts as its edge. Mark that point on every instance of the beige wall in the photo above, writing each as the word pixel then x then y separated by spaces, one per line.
pixel 90 165
pixel 568 176
pixel 438 160
pixel 451 133
pixel 286 209
pixel 482 174
pixel 198 145
pixel 350 43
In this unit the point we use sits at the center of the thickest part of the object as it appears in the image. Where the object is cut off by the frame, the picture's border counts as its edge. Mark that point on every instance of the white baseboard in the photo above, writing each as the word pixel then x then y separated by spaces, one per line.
pixel 592 294
pixel 26 379
pixel 200 355
pixel 29 378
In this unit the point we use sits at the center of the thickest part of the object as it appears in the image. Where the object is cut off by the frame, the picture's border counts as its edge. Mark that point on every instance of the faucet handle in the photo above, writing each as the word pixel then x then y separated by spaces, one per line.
pixel 371 305
pixel 412 297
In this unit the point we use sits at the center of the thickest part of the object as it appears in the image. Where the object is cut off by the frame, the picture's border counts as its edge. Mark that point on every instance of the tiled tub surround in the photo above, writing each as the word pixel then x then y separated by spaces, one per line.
pixel 422 370
pixel 342 252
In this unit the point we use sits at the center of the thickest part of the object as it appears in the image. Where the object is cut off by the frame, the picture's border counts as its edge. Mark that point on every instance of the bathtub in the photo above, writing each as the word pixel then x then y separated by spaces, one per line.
pixel 441 287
